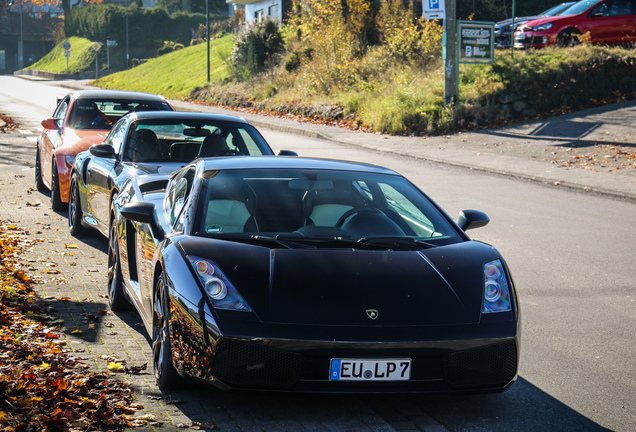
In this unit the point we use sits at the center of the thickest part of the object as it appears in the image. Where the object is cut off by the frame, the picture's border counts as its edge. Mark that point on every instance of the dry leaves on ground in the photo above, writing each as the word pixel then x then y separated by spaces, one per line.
pixel 41 386
pixel 7 123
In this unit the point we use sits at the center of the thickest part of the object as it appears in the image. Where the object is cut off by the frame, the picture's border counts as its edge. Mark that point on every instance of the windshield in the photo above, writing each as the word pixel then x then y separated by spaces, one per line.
pixel 318 204
pixel 556 10
pixel 580 7
pixel 183 140
pixel 102 113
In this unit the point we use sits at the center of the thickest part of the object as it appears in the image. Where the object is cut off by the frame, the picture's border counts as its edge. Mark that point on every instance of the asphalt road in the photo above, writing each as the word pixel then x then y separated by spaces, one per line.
pixel 572 256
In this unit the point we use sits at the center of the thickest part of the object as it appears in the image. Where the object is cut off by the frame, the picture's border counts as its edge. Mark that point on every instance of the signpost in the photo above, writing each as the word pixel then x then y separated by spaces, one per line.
pixel 476 42
pixel 109 43
pixel 67 52
pixel 96 47
pixel 434 9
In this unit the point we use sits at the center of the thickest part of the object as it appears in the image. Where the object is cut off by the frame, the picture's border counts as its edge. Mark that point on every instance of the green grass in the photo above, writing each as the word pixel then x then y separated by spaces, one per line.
pixel 81 59
pixel 176 74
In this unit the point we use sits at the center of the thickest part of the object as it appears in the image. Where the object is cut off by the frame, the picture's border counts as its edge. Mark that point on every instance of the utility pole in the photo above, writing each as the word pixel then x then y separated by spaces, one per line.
pixel 450 61
pixel 207 30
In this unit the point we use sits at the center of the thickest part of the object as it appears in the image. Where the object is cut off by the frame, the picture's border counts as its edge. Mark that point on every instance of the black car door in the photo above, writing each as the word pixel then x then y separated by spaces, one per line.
pixel 99 178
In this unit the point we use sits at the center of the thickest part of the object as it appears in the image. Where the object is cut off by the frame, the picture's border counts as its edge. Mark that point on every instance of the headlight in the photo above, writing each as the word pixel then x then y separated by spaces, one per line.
pixel 545 26
pixel 217 286
pixel 496 290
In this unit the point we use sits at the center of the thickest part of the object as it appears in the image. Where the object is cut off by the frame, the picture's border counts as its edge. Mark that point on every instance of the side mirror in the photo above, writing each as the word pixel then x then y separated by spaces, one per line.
pixel 143 212
pixel 49 123
pixel 102 150
pixel 287 153
pixel 469 219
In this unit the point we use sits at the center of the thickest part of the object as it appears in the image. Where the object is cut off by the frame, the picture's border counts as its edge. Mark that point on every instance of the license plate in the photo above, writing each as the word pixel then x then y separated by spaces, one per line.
pixel 370 370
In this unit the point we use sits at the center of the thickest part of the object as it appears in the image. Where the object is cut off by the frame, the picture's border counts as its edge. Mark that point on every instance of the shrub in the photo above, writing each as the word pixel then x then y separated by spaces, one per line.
pixel 255 47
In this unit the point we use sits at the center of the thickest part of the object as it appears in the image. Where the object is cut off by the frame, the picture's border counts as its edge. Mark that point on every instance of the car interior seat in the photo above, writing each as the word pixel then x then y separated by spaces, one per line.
pixel 324 208
pixel 230 208
pixel 143 146
pixel 213 145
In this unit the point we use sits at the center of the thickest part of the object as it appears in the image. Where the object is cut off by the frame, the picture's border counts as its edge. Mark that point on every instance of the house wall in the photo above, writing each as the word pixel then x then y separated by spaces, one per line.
pixel 259 9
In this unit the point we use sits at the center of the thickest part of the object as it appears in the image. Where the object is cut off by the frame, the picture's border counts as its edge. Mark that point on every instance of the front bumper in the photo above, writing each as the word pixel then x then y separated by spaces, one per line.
pixel 439 367
pixel 468 358
pixel 531 40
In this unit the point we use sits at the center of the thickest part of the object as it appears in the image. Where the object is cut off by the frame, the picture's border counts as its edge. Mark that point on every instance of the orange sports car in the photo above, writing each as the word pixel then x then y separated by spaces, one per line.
pixel 81 119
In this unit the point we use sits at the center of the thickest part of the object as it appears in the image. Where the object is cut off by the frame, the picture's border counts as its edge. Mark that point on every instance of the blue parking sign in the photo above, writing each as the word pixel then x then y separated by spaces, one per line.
pixel 434 9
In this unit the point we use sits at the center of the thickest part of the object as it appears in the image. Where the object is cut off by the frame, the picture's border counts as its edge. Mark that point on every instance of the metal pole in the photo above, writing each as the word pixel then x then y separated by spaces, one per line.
pixel 450 63
pixel 21 56
pixel 207 28
pixel 512 29
pixel 127 56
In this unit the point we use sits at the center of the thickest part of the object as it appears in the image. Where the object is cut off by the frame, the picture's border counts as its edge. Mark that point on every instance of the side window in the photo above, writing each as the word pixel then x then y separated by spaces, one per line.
pixel 417 221
pixel 61 110
pixel 619 7
pixel 250 146
pixel 177 194
pixel 117 135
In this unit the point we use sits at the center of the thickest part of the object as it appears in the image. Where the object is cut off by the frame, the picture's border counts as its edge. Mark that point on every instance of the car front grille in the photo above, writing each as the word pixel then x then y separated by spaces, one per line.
pixel 243 364
pixel 493 365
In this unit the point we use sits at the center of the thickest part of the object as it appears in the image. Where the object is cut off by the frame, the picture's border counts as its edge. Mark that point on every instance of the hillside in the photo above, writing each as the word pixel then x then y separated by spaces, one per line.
pixel 177 74
pixel 81 58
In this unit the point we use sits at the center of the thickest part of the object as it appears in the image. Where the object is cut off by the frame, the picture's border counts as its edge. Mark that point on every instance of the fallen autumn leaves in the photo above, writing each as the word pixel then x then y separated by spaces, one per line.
pixel 42 387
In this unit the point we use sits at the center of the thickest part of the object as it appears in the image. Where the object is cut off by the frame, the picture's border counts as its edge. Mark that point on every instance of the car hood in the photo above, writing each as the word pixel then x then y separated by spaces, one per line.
pixel 77 141
pixel 161 167
pixel 517 20
pixel 439 286
pixel 552 19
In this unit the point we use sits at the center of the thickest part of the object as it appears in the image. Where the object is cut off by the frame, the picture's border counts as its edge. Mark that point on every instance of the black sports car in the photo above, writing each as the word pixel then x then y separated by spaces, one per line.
pixel 151 142
pixel 295 274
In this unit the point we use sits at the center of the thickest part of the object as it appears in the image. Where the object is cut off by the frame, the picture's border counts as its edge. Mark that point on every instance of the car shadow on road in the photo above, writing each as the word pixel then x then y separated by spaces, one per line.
pixel 524 407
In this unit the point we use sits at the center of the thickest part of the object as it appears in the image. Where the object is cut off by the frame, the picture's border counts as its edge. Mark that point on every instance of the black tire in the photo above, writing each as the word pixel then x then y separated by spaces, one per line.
pixel 568 38
pixel 39 184
pixel 75 209
pixel 116 295
pixel 56 199
pixel 165 373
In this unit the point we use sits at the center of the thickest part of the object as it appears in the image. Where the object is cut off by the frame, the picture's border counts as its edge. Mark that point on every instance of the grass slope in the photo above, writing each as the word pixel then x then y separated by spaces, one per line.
pixel 176 74
pixel 82 57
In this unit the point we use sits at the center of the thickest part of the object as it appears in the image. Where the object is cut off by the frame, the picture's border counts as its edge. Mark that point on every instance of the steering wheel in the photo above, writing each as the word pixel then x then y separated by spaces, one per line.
pixel 357 210
pixel 230 152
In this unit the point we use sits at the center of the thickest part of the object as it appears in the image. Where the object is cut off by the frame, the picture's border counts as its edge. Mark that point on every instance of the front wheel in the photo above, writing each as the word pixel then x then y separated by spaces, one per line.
pixel 165 373
pixel 56 199
pixel 116 295
pixel 568 38
pixel 75 209
pixel 39 184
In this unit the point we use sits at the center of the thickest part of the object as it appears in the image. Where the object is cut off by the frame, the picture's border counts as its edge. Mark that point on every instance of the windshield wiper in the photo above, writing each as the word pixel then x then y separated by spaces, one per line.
pixel 395 243
pixel 288 242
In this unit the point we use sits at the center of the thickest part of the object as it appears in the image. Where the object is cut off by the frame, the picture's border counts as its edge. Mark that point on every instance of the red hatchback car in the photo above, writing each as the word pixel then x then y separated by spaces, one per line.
pixel 81 119
pixel 609 22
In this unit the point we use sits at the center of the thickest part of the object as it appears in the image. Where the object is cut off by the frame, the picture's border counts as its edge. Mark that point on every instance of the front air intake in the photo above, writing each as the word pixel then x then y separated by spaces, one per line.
pixel 490 366
pixel 245 364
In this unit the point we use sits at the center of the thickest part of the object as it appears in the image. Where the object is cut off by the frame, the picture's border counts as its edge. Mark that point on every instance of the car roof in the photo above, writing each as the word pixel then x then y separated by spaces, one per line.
pixel 141 115
pixel 290 162
pixel 116 94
